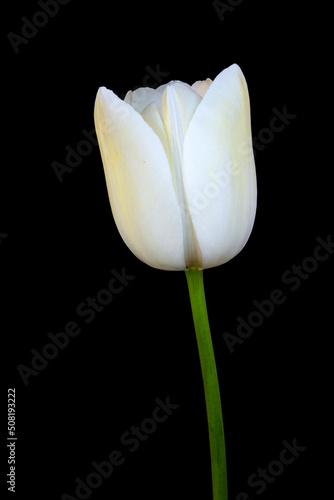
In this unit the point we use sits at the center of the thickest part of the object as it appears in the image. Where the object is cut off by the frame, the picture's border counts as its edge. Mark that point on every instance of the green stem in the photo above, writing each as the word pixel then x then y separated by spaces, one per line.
pixel 210 381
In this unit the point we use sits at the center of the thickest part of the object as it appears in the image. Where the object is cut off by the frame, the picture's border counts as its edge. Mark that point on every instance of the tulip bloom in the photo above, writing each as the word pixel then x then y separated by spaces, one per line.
pixel 180 174
pixel 180 169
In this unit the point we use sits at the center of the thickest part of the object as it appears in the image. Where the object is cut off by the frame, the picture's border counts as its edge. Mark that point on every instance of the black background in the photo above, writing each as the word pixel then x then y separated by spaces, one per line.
pixel 62 244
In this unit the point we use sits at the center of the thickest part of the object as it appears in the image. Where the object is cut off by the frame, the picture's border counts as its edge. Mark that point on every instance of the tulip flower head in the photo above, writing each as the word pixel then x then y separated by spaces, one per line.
pixel 180 169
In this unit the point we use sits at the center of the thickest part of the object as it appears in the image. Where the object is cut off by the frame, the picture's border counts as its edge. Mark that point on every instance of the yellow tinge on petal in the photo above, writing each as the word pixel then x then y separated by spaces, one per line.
pixel 139 182
pixel 180 170
pixel 201 87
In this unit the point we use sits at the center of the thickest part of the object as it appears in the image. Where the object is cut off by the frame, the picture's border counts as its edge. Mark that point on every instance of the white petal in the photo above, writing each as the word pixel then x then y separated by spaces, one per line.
pixel 184 99
pixel 142 97
pixel 139 183
pixel 219 170
pixel 153 118
pixel 179 103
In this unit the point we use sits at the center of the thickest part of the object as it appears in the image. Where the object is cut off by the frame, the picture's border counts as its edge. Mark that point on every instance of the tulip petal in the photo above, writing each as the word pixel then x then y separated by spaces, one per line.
pixel 153 118
pixel 202 86
pixel 219 170
pixel 184 100
pixel 142 97
pixel 139 183
pixel 179 103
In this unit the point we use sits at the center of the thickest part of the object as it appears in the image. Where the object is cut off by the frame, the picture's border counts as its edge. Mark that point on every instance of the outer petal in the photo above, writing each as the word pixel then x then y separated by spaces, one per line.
pixel 219 170
pixel 139 183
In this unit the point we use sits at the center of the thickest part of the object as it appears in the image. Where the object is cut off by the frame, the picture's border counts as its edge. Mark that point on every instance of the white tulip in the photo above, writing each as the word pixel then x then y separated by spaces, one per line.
pixel 180 169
